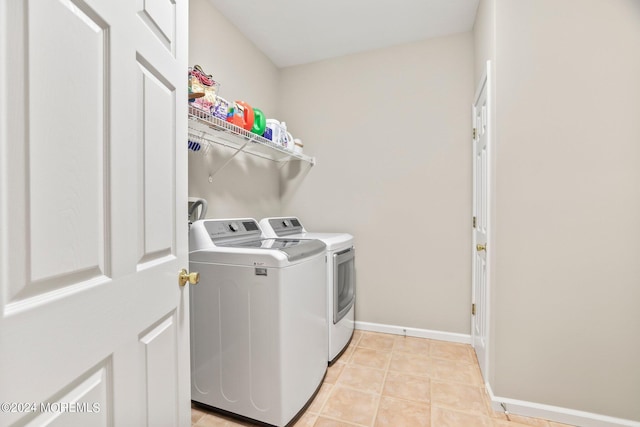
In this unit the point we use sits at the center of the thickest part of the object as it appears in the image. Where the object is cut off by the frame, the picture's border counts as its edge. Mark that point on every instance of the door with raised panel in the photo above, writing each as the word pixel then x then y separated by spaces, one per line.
pixel 93 323
pixel 481 222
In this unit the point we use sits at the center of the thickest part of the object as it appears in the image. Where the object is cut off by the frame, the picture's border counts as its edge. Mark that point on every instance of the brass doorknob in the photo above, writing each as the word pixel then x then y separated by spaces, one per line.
pixel 480 247
pixel 184 277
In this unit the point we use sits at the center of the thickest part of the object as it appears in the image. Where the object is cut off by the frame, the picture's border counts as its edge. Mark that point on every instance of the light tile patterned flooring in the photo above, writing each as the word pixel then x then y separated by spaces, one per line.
pixel 396 381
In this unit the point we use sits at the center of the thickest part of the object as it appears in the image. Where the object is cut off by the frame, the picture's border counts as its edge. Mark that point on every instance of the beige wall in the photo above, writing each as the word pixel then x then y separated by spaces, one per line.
pixel 247 186
pixel 484 37
pixel 566 283
pixel 390 130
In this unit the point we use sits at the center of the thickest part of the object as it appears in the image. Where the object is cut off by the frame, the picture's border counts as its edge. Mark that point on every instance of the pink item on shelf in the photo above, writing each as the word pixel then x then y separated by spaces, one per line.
pixel 203 83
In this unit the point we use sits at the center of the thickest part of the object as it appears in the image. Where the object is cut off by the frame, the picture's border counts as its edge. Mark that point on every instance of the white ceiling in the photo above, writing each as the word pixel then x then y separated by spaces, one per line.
pixel 292 32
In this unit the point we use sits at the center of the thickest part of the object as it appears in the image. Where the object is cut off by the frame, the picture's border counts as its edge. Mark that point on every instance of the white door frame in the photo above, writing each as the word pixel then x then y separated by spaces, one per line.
pixel 484 88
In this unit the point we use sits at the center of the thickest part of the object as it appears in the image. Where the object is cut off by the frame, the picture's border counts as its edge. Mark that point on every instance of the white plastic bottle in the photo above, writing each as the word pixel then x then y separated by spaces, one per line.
pixel 283 134
pixel 287 138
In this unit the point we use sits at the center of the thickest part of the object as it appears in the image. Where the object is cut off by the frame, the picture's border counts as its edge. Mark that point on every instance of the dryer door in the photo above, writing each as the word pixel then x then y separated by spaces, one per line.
pixel 344 283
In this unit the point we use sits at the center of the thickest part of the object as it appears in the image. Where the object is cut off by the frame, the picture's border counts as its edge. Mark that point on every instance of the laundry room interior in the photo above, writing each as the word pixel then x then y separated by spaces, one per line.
pixel 391 133
pixel 405 214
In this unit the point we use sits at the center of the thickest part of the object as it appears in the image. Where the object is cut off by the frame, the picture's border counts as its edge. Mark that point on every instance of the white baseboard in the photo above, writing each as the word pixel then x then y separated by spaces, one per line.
pixel 414 332
pixel 557 414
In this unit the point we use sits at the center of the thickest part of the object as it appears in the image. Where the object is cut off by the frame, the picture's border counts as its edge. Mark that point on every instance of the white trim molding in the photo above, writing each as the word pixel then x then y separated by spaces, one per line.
pixel 414 332
pixel 556 413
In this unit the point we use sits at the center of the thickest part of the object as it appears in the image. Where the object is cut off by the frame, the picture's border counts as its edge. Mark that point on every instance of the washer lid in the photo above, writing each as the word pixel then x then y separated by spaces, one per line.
pixel 294 249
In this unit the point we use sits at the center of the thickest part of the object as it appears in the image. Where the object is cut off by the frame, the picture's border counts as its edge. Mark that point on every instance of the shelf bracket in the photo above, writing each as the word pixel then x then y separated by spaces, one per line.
pixel 238 150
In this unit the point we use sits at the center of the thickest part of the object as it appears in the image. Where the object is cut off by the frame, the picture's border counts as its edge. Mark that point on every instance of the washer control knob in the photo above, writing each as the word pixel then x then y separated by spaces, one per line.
pixel 233 227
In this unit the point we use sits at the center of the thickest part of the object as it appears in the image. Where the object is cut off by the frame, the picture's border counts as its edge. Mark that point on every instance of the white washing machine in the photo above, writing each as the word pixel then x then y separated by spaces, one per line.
pixel 341 279
pixel 258 320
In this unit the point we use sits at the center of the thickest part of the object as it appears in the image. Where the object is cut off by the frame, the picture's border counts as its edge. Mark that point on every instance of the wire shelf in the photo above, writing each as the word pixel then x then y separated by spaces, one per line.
pixel 206 129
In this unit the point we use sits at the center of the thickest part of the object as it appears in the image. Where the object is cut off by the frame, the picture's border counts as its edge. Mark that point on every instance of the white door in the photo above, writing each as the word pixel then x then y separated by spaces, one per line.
pixel 93 324
pixel 481 223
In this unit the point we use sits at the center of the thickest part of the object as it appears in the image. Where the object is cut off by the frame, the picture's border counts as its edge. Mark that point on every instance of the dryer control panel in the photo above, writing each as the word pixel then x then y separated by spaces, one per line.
pixel 286 226
pixel 233 229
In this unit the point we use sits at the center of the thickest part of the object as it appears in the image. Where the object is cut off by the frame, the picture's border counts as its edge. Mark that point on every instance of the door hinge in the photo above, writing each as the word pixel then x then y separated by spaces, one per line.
pixel 474 222
pixel 473 309
pixel 475 133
